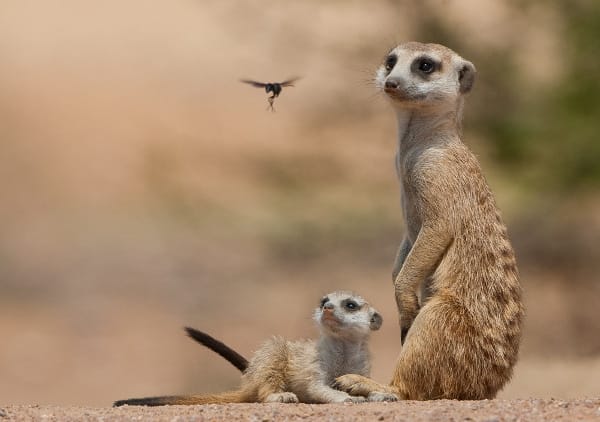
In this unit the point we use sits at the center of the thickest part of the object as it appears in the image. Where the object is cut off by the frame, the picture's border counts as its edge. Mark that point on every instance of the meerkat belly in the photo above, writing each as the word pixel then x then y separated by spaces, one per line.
pixel 471 269
pixel 303 371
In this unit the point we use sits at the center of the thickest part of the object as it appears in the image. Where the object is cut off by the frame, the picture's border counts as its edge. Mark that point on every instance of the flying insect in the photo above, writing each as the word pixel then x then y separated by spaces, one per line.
pixel 274 88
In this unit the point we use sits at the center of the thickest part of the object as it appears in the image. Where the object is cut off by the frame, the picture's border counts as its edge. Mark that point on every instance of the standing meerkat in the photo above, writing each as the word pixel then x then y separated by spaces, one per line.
pixel 302 371
pixel 455 275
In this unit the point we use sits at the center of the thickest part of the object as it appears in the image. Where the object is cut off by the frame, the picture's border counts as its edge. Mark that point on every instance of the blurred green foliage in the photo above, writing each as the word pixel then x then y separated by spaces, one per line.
pixel 547 137
pixel 568 118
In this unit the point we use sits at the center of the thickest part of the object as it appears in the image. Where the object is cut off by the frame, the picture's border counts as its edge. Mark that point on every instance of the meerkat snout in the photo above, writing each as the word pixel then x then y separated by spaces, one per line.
pixel 391 83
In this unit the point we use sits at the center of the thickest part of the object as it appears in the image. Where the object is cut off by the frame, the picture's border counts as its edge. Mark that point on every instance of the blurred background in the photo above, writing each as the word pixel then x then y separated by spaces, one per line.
pixel 144 188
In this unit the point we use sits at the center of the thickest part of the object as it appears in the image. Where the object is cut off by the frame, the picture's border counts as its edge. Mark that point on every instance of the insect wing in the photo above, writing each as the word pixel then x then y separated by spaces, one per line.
pixel 253 83
pixel 289 82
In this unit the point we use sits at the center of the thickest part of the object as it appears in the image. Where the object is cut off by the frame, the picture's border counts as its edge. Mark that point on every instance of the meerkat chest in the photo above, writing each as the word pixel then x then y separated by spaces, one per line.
pixel 412 219
pixel 348 364
pixel 336 360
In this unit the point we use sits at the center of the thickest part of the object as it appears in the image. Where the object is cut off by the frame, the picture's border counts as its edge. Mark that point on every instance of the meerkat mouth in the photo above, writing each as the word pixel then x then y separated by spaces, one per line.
pixel 329 319
pixel 398 94
pixel 390 91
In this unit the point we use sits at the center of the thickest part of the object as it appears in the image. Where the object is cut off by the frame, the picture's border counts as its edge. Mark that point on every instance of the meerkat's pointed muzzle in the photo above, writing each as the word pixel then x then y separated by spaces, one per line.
pixel 395 88
pixel 391 84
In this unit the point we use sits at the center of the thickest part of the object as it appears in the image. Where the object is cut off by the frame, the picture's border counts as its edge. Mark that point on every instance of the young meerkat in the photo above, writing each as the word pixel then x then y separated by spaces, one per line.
pixel 283 371
pixel 455 275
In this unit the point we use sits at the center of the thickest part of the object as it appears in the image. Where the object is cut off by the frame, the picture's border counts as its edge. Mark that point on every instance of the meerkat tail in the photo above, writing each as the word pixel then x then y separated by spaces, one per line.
pixel 219 347
pixel 221 398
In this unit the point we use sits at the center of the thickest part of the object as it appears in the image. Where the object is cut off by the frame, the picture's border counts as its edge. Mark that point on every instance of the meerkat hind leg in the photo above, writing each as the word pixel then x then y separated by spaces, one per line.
pixel 271 387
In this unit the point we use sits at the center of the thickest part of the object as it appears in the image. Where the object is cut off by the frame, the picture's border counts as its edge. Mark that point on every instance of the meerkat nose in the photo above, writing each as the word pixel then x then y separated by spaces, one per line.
pixel 392 83
pixel 328 306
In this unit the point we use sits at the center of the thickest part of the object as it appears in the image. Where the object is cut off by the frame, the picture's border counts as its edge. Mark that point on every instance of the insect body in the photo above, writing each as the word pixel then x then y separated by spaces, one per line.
pixel 274 88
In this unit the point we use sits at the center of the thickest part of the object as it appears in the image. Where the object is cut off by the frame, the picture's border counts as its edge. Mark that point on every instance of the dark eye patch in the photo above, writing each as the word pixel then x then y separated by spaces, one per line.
pixel 390 62
pixel 425 66
pixel 324 301
pixel 350 305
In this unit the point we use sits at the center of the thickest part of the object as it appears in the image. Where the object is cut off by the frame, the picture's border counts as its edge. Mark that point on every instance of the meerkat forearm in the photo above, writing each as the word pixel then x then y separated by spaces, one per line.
pixel 401 255
pixel 321 393
pixel 430 245
pixel 359 385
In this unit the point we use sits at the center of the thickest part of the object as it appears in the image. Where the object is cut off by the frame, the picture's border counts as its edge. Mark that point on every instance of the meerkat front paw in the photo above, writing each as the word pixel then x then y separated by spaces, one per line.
pixel 355 399
pixel 282 398
pixel 352 384
pixel 381 396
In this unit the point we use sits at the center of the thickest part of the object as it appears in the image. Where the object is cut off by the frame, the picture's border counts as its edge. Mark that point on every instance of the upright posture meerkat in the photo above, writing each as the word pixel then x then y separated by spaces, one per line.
pixel 302 371
pixel 455 275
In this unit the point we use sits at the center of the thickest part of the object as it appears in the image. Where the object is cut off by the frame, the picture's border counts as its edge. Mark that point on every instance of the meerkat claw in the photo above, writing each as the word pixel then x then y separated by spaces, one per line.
pixel 378 396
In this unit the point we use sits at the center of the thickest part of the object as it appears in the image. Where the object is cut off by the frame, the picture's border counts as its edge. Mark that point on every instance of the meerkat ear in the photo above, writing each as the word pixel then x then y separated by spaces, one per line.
pixel 376 321
pixel 466 76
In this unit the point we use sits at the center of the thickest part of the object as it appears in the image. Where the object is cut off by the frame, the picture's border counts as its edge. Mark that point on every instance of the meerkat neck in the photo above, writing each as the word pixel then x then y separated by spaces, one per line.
pixel 419 127
pixel 343 354
pixel 326 343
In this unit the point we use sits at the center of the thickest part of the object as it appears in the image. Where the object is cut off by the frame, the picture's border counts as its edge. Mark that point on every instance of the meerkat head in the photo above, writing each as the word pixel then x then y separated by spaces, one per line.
pixel 416 75
pixel 346 315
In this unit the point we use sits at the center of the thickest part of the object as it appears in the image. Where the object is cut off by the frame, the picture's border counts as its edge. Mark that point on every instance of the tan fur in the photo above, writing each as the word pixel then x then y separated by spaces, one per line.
pixel 303 371
pixel 455 276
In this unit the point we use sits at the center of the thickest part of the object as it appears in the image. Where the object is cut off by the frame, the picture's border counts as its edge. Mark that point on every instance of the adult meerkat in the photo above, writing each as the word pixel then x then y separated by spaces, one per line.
pixel 455 275
pixel 302 371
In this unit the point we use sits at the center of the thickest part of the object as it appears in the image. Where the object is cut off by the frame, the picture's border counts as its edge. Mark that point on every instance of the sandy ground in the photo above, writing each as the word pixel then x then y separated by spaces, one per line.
pixel 492 410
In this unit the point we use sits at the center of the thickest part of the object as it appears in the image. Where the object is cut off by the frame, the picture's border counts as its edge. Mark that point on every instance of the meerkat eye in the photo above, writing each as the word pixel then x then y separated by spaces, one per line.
pixel 324 301
pixel 390 62
pixel 426 65
pixel 351 305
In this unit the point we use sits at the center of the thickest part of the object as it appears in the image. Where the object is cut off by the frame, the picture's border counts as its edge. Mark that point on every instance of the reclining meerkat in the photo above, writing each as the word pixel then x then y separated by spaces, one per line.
pixel 455 275
pixel 301 371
